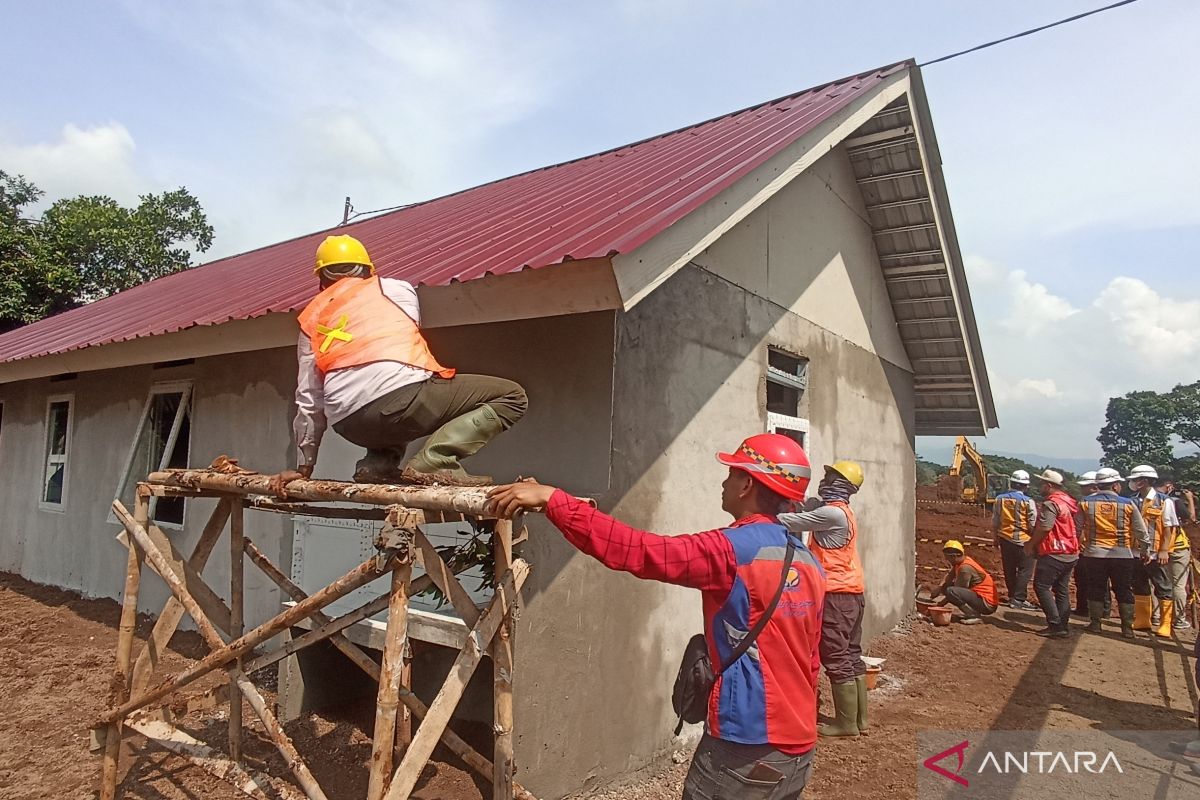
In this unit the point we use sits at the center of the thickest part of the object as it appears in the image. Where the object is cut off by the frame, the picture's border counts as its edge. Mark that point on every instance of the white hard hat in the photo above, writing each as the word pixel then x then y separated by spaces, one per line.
pixel 1087 478
pixel 1143 471
pixel 1107 475
pixel 1050 476
pixel 1019 476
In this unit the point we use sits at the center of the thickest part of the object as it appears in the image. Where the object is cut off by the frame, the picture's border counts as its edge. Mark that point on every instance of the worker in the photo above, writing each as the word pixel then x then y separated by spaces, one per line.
pixel 1056 545
pixel 834 540
pixel 1180 551
pixel 1013 517
pixel 1113 537
pixel 1087 486
pixel 760 731
pixel 1150 573
pixel 366 369
pixel 967 586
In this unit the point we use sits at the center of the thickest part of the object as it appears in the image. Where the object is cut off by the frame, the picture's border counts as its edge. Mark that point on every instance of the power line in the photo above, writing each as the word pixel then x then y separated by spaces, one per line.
pixel 1027 33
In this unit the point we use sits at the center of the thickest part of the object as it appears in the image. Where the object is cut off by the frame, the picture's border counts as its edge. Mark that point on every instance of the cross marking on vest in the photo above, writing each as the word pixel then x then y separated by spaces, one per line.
pixel 337 332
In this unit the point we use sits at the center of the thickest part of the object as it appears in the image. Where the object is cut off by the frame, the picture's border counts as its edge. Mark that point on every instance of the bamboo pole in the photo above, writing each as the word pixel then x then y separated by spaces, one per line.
pixel 438 570
pixel 237 539
pixel 310 510
pixel 443 706
pixel 435 498
pixel 404 723
pixel 122 674
pixel 173 611
pixel 388 698
pixel 359 576
pixel 331 629
pixel 275 731
pixel 502 673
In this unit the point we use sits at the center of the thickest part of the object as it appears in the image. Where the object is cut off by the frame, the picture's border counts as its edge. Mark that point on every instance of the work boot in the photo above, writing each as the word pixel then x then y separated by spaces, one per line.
pixel 438 462
pixel 1095 616
pixel 1168 617
pixel 845 704
pixel 379 466
pixel 1142 610
pixel 860 683
pixel 1126 611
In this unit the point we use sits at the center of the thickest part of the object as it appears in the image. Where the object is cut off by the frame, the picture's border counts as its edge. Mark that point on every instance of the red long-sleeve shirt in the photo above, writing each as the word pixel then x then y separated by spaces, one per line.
pixel 703 561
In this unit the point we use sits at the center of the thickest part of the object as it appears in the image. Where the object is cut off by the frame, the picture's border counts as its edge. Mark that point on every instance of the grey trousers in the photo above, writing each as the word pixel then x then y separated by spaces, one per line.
pixel 722 770
pixel 419 409
pixel 968 602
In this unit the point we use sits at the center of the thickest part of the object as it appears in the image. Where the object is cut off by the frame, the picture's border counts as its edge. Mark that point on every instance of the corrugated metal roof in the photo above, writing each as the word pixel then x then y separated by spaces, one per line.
pixel 601 205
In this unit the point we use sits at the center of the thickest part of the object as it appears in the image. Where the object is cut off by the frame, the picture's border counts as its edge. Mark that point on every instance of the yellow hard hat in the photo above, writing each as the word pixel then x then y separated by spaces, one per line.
pixel 342 250
pixel 850 470
pixel 954 545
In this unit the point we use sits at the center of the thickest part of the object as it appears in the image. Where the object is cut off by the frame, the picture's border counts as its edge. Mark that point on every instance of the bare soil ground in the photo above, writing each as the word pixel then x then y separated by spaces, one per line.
pixel 56 656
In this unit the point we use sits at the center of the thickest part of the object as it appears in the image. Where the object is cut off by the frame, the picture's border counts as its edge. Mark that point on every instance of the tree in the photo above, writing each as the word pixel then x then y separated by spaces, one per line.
pixel 1143 427
pixel 88 247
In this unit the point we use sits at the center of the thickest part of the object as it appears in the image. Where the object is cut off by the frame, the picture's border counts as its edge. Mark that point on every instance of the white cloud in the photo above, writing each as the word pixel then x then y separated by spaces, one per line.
pixel 1027 389
pixel 92 160
pixel 1159 329
pixel 1032 307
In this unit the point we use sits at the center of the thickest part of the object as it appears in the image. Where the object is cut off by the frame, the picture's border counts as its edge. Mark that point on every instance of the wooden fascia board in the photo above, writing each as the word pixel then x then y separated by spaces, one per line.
pixel 642 271
pixel 574 287
pixel 931 162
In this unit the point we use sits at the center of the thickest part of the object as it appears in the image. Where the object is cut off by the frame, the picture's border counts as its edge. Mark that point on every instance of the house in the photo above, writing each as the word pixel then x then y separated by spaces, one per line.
pixel 791 266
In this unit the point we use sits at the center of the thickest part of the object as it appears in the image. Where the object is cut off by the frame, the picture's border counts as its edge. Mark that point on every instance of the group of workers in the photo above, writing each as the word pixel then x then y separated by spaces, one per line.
pixel 784 573
pixel 1132 546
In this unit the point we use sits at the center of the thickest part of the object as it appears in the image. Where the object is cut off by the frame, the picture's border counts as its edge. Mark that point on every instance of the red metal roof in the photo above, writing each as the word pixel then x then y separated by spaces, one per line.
pixel 600 205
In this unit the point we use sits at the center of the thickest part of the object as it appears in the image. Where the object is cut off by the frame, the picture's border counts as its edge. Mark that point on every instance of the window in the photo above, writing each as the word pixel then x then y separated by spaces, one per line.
pixel 58 447
pixel 162 441
pixel 787 382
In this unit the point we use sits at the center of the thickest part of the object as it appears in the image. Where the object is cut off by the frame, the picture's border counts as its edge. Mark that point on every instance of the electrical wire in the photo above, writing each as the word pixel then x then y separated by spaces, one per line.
pixel 358 214
pixel 1026 33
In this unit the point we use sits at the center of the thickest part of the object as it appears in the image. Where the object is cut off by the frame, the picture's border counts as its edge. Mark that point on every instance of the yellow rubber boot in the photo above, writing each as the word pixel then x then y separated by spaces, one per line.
pixel 1143 608
pixel 1168 616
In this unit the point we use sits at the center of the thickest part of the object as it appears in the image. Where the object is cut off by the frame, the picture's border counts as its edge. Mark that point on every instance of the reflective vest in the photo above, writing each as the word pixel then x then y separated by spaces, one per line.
pixel 1017 515
pixel 1062 539
pixel 1152 513
pixel 986 588
pixel 1108 518
pixel 354 323
pixel 843 569
pixel 770 694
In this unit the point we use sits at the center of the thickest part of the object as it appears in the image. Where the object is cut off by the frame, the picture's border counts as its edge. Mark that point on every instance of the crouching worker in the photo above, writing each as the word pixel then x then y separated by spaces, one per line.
pixel 762 711
pixel 835 544
pixel 968 586
pixel 366 370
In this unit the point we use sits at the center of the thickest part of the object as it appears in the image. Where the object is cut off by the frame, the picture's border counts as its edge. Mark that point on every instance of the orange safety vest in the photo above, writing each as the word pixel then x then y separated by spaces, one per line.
pixel 986 588
pixel 1152 513
pixel 354 323
pixel 843 570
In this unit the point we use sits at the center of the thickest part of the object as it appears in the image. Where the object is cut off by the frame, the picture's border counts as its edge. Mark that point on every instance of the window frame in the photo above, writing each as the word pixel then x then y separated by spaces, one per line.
pixel 43 504
pixel 798 382
pixel 187 389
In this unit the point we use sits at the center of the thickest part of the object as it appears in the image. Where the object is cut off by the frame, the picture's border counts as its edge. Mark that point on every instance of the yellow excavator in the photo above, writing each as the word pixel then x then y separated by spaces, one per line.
pixel 968 462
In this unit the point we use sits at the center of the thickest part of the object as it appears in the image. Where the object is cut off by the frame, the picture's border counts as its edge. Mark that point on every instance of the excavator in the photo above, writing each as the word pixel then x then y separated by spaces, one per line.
pixel 968 462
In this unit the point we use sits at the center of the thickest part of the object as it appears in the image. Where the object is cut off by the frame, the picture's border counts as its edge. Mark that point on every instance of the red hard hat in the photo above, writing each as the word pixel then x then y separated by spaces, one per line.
pixel 775 461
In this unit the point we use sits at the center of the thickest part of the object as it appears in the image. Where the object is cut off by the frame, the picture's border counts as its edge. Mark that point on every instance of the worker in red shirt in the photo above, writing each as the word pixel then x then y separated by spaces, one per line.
pixel 762 721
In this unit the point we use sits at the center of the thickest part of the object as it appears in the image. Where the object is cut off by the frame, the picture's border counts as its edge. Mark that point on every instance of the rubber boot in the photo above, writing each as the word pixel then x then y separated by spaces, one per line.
pixel 438 462
pixel 1095 616
pixel 845 704
pixel 1143 607
pixel 1127 612
pixel 860 683
pixel 379 466
pixel 1168 617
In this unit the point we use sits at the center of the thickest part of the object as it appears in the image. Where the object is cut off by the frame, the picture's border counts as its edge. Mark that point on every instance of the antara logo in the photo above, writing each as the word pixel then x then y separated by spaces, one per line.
pixel 1036 762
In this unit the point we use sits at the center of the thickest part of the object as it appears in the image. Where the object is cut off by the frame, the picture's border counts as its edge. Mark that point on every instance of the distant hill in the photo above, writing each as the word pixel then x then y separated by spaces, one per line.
pixel 944 454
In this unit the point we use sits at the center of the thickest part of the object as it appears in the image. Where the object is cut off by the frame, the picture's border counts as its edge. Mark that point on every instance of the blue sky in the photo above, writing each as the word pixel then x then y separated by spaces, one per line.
pixel 1065 153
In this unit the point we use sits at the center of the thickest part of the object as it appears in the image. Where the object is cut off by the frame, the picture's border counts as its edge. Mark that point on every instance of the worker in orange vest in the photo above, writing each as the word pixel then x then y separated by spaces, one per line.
pixel 968 586
pixel 366 369
pixel 830 523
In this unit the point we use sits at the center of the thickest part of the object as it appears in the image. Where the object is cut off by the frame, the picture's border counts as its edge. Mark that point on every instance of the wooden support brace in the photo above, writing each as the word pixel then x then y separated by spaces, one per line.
pixel 310 510
pixel 439 572
pixel 237 539
pixel 502 672
pixel 387 701
pixel 173 611
pixel 443 706
pixel 221 657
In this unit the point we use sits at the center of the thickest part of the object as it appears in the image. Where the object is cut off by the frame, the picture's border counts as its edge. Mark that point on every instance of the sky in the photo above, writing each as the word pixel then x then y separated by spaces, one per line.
pixel 1065 152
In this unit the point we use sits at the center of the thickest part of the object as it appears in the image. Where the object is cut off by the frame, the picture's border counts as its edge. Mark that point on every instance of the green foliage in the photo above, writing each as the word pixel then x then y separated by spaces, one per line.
pixel 928 472
pixel 85 248
pixel 1142 427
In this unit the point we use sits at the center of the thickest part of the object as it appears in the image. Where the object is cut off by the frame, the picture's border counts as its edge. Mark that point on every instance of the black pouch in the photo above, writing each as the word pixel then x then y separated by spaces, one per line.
pixel 696 678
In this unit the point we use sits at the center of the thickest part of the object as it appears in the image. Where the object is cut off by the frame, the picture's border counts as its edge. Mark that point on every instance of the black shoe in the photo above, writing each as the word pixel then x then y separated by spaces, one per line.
pixel 1049 630
pixel 1080 612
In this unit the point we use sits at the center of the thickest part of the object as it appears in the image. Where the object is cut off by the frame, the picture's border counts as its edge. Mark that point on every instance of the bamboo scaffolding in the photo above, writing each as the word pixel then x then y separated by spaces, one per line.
pixel 398 756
